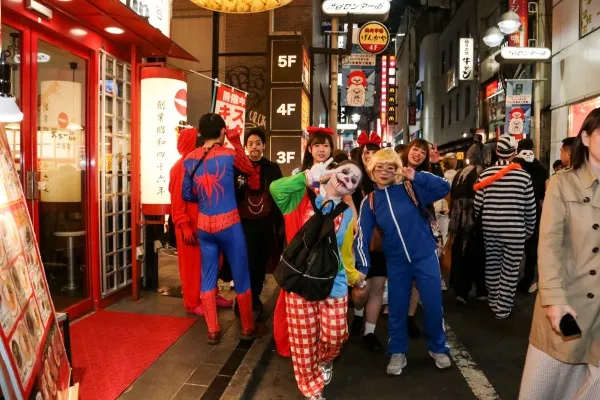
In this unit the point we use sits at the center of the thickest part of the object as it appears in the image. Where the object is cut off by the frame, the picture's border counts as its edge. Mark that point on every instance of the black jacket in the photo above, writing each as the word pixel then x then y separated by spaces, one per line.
pixel 539 176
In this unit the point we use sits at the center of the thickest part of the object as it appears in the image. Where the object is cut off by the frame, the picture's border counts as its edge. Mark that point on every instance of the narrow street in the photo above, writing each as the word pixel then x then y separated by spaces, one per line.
pixel 488 360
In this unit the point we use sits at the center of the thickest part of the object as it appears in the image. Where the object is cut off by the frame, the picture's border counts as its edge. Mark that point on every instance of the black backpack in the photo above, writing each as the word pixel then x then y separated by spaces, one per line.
pixel 310 263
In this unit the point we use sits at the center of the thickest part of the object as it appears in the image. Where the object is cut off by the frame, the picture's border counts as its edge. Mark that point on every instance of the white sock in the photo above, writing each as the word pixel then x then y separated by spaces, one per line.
pixel 359 313
pixel 369 328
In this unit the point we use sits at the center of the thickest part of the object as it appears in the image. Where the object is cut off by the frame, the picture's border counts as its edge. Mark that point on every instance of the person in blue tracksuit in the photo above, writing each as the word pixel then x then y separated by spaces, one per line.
pixel 409 248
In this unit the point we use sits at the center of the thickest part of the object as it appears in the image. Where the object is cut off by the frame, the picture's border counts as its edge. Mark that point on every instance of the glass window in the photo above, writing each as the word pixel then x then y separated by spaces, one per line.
pixel 449 112
pixel 443 117
pixel 467 100
pixel 450 56
pixel 62 167
pixel 115 174
pixel 11 45
pixel 457 106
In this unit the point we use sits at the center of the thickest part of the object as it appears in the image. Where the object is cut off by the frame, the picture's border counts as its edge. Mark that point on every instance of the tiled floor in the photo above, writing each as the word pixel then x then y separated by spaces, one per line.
pixel 190 368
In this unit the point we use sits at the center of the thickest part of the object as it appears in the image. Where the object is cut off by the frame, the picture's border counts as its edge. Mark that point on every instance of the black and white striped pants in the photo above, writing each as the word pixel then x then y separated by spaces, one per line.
pixel 502 262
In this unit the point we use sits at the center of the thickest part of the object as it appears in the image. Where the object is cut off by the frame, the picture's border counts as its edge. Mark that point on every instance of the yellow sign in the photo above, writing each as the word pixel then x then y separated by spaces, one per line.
pixel 460 155
pixel 305 110
pixel 241 6
pixel 373 37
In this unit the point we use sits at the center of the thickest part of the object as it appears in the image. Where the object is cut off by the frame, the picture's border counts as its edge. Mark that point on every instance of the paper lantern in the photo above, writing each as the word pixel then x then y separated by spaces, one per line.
pixel 241 6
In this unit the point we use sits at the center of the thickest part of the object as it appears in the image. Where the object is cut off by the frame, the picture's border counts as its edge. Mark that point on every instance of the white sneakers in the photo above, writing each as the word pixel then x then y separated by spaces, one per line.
pixel 327 371
pixel 442 360
pixel 398 362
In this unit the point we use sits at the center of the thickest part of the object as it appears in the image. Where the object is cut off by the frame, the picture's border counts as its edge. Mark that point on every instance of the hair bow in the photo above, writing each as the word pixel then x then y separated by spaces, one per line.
pixel 311 130
pixel 372 138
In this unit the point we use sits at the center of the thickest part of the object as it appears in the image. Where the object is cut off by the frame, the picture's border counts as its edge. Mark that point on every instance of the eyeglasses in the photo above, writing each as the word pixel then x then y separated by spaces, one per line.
pixel 385 167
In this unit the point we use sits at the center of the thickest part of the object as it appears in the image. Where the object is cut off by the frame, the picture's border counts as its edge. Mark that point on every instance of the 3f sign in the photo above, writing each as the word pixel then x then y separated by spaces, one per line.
pixel 285 157
pixel 286 109
pixel 286 61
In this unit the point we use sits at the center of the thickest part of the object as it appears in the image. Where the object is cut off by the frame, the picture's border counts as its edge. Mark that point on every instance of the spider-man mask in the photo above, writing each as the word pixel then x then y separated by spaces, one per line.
pixel 345 179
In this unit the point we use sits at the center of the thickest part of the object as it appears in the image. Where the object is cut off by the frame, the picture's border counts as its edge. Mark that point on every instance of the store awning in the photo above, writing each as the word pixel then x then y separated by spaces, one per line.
pixel 99 15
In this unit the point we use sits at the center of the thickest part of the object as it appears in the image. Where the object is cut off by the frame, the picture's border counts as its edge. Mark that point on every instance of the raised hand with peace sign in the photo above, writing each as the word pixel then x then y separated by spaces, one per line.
pixel 318 171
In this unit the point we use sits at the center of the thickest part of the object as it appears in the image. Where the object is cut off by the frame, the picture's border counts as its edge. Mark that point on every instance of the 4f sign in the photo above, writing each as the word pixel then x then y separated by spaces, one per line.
pixel 374 9
pixel 286 109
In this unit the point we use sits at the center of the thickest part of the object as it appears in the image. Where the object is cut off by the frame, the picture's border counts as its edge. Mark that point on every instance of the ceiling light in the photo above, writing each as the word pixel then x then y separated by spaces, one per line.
pixel 493 37
pixel 78 32
pixel 114 30
pixel 401 34
pixel 9 111
pixel 355 118
pixel 509 22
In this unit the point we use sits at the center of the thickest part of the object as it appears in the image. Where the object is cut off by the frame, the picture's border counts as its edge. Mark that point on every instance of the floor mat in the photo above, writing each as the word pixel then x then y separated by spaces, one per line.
pixel 111 349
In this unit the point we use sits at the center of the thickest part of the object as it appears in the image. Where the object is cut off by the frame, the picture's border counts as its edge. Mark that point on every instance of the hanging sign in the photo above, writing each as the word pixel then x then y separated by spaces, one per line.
pixel 231 105
pixel 290 61
pixel 518 107
pixel 373 37
pixel 240 6
pixel 157 12
pixel 374 9
pixel 362 59
pixel 465 59
pixel 33 359
pixel 519 55
pixel 163 105
pixel 358 88
pixel 286 109
pixel 520 37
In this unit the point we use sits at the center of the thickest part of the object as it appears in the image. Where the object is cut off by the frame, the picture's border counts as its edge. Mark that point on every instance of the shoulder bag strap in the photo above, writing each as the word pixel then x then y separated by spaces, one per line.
pixel 201 159
pixel 411 193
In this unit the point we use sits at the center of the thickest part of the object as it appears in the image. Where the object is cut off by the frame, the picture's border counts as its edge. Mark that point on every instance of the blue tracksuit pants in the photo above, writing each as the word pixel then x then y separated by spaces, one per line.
pixel 426 274
pixel 233 244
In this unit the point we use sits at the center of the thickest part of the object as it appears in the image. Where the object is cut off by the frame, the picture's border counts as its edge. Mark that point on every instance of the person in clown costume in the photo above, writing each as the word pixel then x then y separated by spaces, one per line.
pixel 314 349
pixel 209 182
pixel 395 207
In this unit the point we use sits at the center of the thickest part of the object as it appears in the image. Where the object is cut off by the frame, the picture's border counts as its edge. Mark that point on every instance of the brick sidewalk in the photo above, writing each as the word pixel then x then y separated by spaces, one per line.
pixel 190 368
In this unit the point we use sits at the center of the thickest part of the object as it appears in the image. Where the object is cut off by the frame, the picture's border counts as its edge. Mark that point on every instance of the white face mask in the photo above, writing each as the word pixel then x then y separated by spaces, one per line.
pixel 345 179
pixel 526 155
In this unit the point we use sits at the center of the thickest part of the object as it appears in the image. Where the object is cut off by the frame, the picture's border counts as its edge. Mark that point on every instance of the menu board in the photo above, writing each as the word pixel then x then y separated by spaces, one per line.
pixel 35 364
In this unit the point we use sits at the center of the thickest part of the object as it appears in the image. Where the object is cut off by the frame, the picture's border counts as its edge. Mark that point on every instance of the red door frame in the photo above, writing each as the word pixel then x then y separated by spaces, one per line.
pixel 29 73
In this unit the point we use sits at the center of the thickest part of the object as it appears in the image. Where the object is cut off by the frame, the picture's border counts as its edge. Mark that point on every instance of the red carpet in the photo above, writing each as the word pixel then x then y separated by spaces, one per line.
pixel 111 349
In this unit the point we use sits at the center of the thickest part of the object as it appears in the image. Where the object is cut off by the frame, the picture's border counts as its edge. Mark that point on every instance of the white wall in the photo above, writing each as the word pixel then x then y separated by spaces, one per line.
pixel 575 66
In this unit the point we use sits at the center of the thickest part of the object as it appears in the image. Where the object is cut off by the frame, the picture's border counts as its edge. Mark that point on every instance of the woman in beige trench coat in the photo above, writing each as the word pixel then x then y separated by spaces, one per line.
pixel 569 280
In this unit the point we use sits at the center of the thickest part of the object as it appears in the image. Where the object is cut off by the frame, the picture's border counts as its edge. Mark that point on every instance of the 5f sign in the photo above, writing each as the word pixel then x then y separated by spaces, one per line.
pixel 286 61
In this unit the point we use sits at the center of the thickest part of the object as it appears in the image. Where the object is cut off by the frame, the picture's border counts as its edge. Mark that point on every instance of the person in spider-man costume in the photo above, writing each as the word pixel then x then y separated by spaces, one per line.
pixel 184 216
pixel 209 181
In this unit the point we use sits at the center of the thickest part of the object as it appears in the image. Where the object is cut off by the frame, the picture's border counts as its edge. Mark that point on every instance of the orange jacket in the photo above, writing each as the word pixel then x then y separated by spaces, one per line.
pixel 182 212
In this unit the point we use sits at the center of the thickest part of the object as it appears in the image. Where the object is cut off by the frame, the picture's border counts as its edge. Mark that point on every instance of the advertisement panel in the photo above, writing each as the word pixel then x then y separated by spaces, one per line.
pixel 518 107
pixel 520 37
pixel 465 59
pixel 33 356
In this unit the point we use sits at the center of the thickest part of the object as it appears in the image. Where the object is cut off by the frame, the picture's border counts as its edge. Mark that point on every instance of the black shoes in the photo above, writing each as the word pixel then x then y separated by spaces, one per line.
pixel 372 343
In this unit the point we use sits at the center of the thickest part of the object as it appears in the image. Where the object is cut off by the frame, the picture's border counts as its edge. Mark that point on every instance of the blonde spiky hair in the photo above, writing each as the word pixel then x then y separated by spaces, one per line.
pixel 385 156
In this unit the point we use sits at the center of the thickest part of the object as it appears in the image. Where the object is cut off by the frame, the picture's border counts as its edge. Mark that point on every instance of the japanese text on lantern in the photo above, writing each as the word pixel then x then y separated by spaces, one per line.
pixel 231 105
pixel 160 144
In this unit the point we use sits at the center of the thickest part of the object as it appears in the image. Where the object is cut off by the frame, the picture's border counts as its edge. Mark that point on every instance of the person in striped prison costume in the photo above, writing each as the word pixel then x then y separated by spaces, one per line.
pixel 505 205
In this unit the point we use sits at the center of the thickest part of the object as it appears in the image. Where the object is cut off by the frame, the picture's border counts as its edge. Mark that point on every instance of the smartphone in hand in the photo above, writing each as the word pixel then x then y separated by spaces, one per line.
pixel 569 327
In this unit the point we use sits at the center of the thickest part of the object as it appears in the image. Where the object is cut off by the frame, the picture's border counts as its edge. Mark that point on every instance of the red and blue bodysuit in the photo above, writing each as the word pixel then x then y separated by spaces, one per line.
pixel 219 227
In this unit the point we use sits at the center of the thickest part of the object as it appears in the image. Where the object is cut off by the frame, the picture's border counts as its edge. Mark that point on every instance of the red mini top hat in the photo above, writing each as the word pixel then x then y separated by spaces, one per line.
pixel 372 138
pixel 315 129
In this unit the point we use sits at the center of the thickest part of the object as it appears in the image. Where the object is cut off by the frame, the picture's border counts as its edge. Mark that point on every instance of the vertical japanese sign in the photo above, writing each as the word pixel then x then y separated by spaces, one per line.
pixel 32 353
pixel 520 37
pixel 384 75
pixel 231 105
pixel 392 89
pixel 164 104
pixel 465 59
pixel 518 107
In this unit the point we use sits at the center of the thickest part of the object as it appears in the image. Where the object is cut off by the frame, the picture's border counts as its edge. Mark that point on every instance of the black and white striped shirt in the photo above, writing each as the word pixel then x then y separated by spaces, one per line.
pixel 507 205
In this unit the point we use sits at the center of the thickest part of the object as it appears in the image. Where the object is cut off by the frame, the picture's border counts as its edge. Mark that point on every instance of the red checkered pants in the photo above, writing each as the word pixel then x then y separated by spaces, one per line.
pixel 317 330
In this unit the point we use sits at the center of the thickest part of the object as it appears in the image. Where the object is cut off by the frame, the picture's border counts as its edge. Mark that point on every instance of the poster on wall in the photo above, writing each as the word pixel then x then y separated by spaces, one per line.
pixel 164 105
pixel 578 112
pixel 520 37
pixel 231 105
pixel 358 86
pixel 589 16
pixel 32 351
pixel 518 107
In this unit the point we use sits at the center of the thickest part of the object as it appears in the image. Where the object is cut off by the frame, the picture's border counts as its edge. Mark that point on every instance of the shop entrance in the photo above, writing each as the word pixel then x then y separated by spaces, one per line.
pixel 50 83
